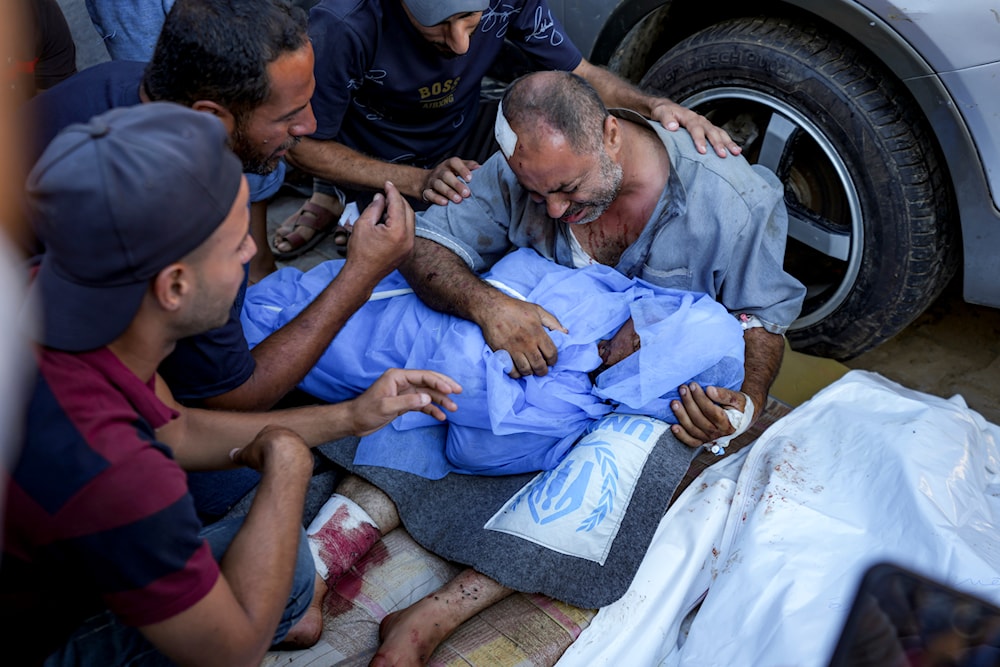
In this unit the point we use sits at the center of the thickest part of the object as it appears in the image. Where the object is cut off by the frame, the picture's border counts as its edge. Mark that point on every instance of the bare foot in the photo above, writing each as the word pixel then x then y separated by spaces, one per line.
pixel 409 637
pixel 308 630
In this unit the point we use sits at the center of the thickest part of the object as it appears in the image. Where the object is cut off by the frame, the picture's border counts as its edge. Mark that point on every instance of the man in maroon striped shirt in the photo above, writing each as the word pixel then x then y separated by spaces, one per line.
pixel 144 214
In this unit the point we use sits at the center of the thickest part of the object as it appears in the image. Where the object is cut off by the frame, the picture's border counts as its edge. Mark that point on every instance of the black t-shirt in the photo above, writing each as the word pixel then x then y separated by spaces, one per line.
pixel 54 47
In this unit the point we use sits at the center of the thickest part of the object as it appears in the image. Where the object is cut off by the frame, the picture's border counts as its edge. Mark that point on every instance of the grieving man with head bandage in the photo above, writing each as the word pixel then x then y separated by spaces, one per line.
pixel 581 186
pixel 628 346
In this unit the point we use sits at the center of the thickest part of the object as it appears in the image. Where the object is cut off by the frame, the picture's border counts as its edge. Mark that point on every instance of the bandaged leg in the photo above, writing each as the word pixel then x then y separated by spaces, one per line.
pixel 341 533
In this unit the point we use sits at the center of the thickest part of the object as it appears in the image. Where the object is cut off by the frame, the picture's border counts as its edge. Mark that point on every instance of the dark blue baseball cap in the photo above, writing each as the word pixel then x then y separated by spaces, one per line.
pixel 114 201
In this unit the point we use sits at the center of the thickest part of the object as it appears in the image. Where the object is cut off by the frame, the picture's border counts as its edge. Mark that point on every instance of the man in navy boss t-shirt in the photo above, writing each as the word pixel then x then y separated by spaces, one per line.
pixel 398 98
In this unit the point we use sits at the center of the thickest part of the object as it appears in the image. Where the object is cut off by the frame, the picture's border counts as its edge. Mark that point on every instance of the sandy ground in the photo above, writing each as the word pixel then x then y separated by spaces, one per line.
pixel 953 348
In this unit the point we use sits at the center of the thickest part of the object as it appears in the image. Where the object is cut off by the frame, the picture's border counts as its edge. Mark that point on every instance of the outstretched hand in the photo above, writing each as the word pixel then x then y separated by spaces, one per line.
pixel 398 391
pixel 673 116
pixel 701 413
pixel 447 182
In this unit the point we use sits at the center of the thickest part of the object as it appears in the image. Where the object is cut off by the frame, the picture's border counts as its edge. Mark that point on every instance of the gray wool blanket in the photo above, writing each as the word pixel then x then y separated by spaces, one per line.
pixel 576 534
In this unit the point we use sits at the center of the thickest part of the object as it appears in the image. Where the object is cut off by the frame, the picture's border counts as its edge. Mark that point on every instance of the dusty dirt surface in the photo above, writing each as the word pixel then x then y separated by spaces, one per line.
pixel 953 348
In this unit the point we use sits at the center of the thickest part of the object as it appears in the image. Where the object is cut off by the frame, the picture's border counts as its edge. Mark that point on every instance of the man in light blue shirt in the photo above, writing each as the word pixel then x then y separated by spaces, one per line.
pixel 129 29
pixel 580 185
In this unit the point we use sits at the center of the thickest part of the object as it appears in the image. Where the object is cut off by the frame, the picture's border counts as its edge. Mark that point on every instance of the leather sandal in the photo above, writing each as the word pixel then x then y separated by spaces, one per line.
pixel 322 221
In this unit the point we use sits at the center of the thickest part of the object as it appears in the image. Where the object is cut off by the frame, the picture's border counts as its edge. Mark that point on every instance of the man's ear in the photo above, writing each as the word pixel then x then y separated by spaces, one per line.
pixel 612 135
pixel 219 111
pixel 172 286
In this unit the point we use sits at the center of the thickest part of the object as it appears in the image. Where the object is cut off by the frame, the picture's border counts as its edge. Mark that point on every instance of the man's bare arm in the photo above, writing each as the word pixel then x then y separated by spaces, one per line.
pixel 700 412
pixel 762 361
pixel 283 358
pixel 445 283
pixel 337 163
pixel 234 623
pixel 205 439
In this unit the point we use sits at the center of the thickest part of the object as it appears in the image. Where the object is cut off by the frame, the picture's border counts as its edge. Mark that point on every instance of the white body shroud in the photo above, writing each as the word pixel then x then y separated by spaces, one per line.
pixel 776 538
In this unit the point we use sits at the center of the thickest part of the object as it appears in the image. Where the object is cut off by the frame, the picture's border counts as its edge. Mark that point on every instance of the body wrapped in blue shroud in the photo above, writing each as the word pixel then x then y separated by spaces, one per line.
pixel 505 425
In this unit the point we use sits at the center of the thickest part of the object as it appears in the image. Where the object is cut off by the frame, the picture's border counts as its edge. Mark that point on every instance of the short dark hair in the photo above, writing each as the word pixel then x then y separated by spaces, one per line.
pixel 219 50
pixel 563 101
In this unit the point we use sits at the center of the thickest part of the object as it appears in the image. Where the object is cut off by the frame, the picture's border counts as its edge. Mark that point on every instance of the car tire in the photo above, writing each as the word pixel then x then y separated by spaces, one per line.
pixel 871 233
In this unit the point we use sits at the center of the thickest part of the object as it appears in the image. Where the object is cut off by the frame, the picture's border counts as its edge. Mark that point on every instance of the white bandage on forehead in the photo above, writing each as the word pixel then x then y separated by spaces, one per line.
pixel 504 134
